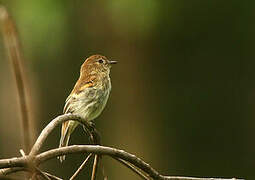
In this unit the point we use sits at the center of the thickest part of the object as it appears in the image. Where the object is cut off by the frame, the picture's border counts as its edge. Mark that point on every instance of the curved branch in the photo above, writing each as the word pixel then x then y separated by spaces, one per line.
pixel 7 171
pixel 26 162
pixel 13 162
pixel 81 167
pixel 134 169
pixel 116 153
pixel 44 134
pixel 15 56
pixel 100 150
pixel 48 129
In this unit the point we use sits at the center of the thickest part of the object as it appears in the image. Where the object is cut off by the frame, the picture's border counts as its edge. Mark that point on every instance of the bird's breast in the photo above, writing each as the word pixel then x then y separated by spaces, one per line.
pixel 92 100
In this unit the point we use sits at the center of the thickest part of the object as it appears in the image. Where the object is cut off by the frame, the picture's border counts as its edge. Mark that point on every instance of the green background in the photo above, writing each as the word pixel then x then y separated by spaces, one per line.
pixel 183 96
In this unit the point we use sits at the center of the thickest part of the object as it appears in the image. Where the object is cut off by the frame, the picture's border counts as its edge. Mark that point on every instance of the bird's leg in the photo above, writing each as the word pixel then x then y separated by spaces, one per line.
pixel 94 135
pixel 92 124
pixel 94 138
pixel 88 132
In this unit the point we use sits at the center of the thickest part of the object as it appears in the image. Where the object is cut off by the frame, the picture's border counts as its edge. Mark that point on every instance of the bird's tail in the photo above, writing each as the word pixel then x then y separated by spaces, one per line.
pixel 67 129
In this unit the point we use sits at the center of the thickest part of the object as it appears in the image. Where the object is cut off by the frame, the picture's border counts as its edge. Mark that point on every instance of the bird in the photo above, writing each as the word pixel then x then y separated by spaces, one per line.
pixel 89 95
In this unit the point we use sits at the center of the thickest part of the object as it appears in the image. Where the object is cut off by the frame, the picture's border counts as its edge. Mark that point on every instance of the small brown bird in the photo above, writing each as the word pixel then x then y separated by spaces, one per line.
pixel 89 95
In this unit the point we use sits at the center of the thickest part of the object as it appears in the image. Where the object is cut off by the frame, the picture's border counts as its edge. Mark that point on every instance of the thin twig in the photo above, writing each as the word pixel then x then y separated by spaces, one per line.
pixel 12 46
pixel 46 175
pixel 52 176
pixel 81 167
pixel 136 170
pixel 96 139
pixel 41 173
pixel 22 152
pixel 95 167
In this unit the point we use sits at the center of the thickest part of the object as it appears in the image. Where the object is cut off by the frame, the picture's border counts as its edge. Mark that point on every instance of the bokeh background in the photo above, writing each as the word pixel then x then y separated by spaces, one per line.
pixel 183 96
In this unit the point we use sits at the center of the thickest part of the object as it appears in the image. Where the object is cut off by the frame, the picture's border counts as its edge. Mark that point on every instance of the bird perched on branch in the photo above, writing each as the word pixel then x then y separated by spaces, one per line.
pixel 89 95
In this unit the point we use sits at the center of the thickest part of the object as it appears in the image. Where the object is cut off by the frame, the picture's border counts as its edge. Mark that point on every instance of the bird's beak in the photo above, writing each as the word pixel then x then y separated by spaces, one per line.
pixel 113 62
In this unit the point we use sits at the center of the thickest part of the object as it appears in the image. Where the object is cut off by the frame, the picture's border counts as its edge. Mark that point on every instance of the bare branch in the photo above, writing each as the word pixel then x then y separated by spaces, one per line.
pixel 112 152
pixel 81 167
pixel 100 150
pixel 44 134
pixel 12 46
pixel 48 129
pixel 138 172
pixel 52 176
pixel 13 162
pixel 7 171
pixel 32 160
pixel 41 173
pixel 22 152
pixel 96 139
pixel 95 167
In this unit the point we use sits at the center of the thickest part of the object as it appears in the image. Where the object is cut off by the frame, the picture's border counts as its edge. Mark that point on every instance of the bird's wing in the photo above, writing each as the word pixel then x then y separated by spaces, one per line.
pixel 67 104
pixel 84 86
pixel 78 88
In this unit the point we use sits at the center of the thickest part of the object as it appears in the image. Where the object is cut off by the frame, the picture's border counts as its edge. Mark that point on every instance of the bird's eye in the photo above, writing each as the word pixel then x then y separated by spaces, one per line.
pixel 100 61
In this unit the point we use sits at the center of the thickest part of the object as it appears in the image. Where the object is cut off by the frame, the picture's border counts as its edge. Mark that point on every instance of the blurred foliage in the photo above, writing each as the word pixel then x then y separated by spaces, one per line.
pixel 183 93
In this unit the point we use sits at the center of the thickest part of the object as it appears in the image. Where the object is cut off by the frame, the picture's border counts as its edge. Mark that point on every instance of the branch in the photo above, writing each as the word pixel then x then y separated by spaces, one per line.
pixel 95 167
pixel 52 176
pixel 32 160
pixel 41 173
pixel 100 150
pixel 48 129
pixel 7 171
pixel 136 170
pixel 116 153
pixel 12 45
pixel 81 167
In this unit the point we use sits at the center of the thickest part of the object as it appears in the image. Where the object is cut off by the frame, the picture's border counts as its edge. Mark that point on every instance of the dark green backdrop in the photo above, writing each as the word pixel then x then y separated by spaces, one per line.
pixel 183 96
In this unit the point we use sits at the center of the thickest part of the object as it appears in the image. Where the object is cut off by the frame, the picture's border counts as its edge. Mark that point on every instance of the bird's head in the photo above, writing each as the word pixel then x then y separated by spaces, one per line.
pixel 96 64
